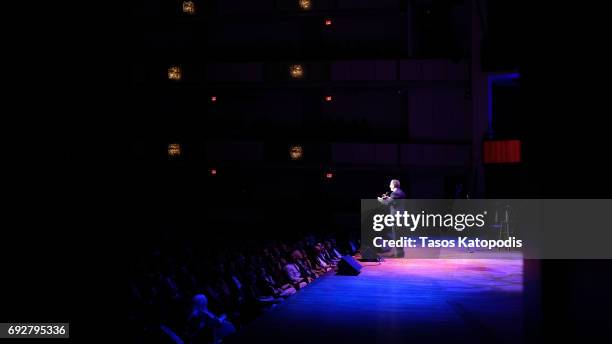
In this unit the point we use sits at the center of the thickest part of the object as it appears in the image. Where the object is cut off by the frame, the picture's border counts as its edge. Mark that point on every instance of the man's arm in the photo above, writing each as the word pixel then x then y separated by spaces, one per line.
pixel 293 274
pixel 386 200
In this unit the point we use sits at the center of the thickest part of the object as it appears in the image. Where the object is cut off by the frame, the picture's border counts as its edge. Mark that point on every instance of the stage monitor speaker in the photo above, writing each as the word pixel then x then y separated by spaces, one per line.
pixel 369 255
pixel 349 266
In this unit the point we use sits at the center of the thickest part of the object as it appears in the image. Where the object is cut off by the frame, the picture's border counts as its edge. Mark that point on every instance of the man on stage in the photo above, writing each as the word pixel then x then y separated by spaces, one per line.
pixel 391 200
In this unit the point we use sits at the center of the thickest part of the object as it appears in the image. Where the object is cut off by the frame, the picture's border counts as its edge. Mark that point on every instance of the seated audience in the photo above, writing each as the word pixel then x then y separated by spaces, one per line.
pixel 204 326
pixel 175 293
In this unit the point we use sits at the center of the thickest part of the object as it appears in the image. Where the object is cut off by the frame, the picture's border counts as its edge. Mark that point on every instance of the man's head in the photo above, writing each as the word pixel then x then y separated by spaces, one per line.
pixel 394 184
pixel 296 255
pixel 200 302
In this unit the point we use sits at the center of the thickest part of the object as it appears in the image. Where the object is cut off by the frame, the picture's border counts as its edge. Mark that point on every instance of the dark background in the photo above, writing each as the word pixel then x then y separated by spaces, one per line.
pixel 89 179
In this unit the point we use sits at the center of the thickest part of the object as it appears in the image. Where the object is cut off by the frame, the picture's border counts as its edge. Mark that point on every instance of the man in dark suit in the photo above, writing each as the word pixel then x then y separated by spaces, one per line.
pixel 396 193
pixel 392 200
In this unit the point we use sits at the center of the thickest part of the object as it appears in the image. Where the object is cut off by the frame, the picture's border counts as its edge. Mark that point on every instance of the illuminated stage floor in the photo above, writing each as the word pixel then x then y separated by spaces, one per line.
pixel 403 300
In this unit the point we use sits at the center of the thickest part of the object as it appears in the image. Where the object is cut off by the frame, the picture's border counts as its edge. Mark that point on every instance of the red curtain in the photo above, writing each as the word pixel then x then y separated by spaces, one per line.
pixel 502 151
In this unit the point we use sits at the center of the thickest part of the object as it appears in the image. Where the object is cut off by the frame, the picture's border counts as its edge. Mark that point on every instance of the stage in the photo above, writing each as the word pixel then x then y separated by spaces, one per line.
pixel 402 300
